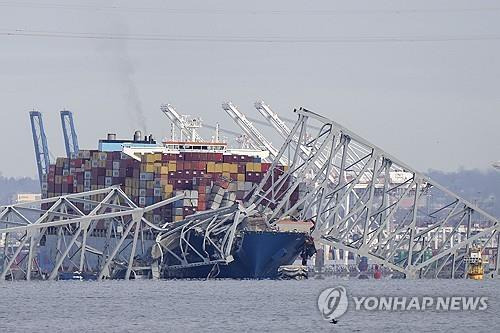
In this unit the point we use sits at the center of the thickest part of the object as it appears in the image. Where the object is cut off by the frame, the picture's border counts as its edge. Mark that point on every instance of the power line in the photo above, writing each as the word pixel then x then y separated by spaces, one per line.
pixel 213 11
pixel 245 39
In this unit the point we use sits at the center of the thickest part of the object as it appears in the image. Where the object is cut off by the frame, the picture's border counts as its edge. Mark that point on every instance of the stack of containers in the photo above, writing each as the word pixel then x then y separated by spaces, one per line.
pixel 207 180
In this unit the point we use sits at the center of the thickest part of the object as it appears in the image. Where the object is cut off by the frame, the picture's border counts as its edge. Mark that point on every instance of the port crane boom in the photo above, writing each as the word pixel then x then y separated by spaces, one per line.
pixel 40 144
pixel 250 130
pixel 69 133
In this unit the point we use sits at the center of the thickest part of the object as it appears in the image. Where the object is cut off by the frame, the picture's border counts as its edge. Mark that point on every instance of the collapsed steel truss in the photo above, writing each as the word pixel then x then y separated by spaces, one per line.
pixel 217 230
pixel 366 201
pixel 101 232
pixel 116 219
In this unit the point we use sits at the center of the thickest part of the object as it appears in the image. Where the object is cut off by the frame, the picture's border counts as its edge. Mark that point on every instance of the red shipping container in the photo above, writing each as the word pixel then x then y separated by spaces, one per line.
pixel 218 157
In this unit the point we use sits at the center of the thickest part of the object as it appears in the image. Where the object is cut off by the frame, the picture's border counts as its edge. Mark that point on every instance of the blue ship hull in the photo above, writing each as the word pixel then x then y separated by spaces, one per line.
pixel 258 255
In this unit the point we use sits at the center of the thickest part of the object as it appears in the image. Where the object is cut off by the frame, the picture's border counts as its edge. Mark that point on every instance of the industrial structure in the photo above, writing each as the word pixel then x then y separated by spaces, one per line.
pixel 190 207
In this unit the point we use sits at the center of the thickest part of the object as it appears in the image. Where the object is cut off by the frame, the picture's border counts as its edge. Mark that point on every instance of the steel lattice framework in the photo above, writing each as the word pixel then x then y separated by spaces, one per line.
pixel 124 231
pixel 112 235
pixel 366 201
pixel 218 229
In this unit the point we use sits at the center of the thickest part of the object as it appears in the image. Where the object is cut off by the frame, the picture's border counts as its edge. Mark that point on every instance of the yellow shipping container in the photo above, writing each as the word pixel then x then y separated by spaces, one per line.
pixel 233 168
pixel 169 188
pixel 164 170
pixel 211 167
pixel 172 166
pixel 226 175
pixel 241 177
pixel 101 163
pixel 178 218
pixel 218 167
pixel 150 167
pixel 226 167
pixel 257 167
pixel 249 167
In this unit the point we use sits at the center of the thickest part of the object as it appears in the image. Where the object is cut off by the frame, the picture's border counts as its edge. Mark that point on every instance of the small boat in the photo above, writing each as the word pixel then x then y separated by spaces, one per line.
pixel 292 272
pixel 77 276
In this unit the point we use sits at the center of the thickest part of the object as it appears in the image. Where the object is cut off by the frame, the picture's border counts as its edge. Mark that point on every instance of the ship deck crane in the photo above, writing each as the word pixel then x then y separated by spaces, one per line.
pixel 69 133
pixel 40 144
pixel 251 131
pixel 186 125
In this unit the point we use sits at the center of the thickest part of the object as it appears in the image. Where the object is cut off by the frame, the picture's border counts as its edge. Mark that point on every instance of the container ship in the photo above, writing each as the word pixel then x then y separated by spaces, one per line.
pixel 210 175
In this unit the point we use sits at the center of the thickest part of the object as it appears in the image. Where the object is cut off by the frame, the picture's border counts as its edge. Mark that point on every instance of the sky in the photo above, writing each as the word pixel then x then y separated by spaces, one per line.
pixel 419 79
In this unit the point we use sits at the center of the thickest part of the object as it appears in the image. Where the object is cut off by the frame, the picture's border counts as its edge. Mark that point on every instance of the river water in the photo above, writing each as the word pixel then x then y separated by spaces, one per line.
pixel 230 305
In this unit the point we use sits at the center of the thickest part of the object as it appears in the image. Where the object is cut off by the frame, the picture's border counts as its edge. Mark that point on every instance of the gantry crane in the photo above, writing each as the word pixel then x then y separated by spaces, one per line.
pixel 251 131
pixel 40 144
pixel 69 134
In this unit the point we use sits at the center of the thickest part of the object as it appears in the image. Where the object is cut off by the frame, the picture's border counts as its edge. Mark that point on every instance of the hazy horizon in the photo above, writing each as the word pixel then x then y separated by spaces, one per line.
pixel 420 80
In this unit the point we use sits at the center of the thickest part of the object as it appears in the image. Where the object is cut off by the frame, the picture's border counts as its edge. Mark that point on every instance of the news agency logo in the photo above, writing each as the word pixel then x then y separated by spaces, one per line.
pixel 334 302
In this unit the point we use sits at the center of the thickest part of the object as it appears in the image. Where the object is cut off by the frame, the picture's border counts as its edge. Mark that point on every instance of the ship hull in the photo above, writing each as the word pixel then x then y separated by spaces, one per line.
pixel 258 256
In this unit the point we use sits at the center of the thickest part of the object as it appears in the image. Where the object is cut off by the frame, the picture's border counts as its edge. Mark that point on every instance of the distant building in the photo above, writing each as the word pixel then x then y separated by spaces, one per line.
pixel 26 197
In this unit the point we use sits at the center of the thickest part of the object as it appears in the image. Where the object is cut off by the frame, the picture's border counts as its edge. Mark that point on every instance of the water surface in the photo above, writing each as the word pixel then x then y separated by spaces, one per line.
pixel 230 305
